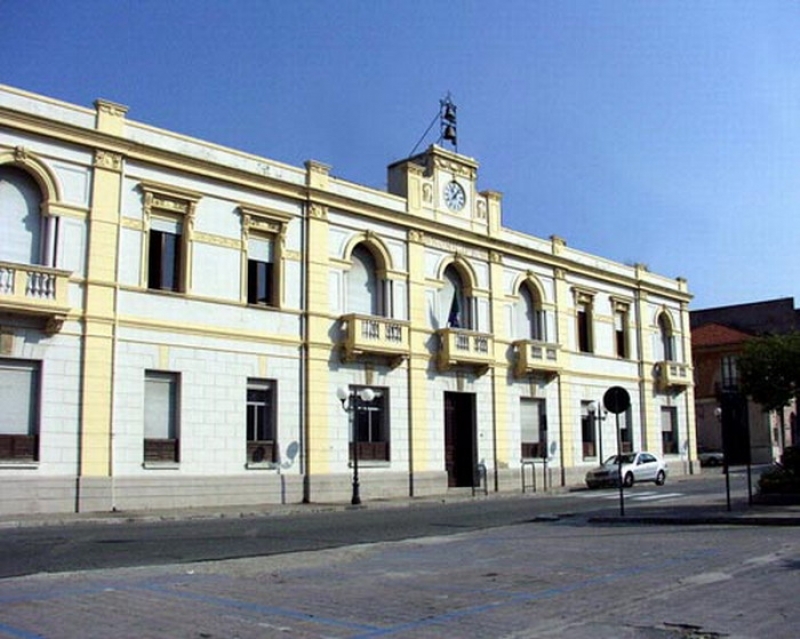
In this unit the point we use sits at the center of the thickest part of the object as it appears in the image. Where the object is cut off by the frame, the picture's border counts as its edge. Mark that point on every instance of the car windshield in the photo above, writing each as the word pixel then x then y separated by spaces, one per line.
pixel 614 459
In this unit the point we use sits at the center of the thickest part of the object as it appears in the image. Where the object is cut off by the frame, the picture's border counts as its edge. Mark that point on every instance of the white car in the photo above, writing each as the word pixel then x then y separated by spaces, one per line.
pixel 636 467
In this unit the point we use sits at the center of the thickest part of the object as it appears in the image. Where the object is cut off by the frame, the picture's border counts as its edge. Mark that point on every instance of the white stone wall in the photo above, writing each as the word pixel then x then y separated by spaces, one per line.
pixel 213 382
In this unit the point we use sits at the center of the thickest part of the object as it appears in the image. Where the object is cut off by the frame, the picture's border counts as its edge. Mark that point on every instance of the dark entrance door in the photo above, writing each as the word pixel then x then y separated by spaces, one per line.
pixel 735 428
pixel 460 446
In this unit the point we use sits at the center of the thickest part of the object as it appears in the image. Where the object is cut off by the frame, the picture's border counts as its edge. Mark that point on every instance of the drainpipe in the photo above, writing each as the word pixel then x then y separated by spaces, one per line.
pixel 305 408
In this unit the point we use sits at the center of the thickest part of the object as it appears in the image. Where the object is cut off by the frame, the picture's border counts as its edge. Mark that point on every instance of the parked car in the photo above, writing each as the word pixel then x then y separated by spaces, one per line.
pixel 710 457
pixel 636 467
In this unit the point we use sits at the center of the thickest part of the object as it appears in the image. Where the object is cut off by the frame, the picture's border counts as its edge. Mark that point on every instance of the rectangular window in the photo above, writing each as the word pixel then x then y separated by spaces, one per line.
pixel 164 258
pixel 669 430
pixel 533 429
pixel 161 406
pixel 371 425
pixel 621 333
pixel 259 283
pixel 588 436
pixel 730 373
pixel 584 328
pixel 261 446
pixel 19 404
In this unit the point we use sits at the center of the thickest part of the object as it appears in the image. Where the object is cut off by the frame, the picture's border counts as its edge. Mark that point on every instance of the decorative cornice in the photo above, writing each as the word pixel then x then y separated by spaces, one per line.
pixel 111 108
pixel 456 168
pixel 217 240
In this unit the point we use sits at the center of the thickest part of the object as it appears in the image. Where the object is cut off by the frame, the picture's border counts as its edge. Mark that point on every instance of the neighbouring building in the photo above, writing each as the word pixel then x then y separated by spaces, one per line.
pixel 719 336
pixel 178 320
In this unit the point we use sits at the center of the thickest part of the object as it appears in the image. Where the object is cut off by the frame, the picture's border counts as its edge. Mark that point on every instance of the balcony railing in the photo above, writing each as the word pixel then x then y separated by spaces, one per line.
pixel 28 289
pixel 537 357
pixel 673 375
pixel 371 336
pixel 460 347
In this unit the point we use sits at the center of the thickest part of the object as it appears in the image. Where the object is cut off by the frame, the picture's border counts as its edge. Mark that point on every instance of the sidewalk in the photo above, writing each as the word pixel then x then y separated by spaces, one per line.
pixel 701 511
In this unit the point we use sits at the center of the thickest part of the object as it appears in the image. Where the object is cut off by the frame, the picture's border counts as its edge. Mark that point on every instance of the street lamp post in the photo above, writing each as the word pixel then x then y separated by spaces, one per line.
pixel 351 401
pixel 598 414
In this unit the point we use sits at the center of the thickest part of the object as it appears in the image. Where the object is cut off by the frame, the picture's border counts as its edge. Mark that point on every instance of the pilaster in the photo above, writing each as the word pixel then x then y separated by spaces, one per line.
pixel 568 426
pixel 503 455
pixel 421 428
pixel 320 398
pixel 100 303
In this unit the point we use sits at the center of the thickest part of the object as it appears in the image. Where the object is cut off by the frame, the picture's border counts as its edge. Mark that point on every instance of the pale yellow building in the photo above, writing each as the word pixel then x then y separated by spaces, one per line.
pixel 176 319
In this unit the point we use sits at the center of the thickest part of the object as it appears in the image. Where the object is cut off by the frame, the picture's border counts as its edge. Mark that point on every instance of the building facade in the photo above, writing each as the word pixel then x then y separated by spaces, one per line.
pixel 719 337
pixel 178 321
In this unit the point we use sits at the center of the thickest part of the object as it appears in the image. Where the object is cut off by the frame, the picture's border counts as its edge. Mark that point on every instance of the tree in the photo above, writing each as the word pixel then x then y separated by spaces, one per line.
pixel 769 370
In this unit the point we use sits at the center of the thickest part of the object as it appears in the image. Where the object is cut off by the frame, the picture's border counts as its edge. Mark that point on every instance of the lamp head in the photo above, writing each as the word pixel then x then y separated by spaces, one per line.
pixel 592 408
pixel 341 394
pixel 366 394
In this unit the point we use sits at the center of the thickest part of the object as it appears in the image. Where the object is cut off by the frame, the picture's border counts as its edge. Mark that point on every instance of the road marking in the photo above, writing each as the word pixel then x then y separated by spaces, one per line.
pixel 650 495
pixel 658 496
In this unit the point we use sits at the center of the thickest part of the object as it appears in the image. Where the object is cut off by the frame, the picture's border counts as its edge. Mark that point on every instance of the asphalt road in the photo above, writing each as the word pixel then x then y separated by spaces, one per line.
pixel 81 546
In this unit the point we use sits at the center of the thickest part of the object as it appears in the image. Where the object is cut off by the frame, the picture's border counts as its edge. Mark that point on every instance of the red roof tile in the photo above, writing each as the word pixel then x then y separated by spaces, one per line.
pixel 717 335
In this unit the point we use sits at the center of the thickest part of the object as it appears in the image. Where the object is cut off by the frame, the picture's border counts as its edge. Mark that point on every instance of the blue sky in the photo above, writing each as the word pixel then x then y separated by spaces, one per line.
pixel 661 132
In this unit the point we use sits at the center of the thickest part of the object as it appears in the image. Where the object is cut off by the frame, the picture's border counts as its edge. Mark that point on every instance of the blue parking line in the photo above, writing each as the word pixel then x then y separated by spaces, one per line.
pixel 17 633
pixel 264 610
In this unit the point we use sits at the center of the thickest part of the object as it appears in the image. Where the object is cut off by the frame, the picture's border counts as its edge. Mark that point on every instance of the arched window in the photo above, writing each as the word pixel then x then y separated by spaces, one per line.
pixel 666 338
pixel 530 317
pixel 20 217
pixel 364 295
pixel 454 303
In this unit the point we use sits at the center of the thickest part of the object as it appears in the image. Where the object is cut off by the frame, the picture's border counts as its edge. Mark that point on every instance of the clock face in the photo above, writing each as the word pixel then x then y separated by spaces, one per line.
pixel 454 196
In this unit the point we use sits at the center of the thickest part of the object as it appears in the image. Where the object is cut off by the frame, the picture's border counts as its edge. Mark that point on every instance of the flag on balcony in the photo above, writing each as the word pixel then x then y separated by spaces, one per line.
pixel 455 311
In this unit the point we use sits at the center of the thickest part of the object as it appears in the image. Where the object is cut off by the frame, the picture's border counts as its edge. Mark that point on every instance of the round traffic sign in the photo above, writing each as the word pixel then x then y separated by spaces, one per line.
pixel 616 400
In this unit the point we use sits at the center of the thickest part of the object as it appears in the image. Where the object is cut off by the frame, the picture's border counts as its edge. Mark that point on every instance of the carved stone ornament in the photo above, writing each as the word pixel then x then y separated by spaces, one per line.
pixel 427 193
pixel 415 236
pixel 318 211
pixel 54 325
pixel 481 210
pixel 108 160
pixel 20 154
pixel 495 257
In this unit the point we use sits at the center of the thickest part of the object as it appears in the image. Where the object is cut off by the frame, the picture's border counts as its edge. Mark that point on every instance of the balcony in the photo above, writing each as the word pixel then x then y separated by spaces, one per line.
pixel 32 290
pixel 460 347
pixel 673 375
pixel 537 357
pixel 370 336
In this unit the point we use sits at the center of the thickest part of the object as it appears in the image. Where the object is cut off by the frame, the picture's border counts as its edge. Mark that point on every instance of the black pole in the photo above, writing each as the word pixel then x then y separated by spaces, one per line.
pixel 619 466
pixel 600 432
pixel 356 499
pixel 723 415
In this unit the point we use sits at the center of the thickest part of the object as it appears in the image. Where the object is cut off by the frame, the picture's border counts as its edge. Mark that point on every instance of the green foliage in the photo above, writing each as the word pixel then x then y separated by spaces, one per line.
pixel 790 459
pixel 785 478
pixel 770 369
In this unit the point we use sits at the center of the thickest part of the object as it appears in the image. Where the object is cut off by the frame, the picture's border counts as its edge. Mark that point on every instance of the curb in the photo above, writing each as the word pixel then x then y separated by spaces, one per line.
pixel 698 521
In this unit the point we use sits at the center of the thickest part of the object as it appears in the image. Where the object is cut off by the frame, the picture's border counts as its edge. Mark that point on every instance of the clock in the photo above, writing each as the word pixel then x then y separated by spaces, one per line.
pixel 454 196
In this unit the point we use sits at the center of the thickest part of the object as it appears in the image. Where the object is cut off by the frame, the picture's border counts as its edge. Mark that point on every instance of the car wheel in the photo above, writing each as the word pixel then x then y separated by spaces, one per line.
pixel 628 481
pixel 661 478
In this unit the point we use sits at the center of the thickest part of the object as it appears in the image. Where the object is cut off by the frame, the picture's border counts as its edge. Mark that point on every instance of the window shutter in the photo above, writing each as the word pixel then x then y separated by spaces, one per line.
pixel 159 409
pixel 260 248
pixel 18 398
